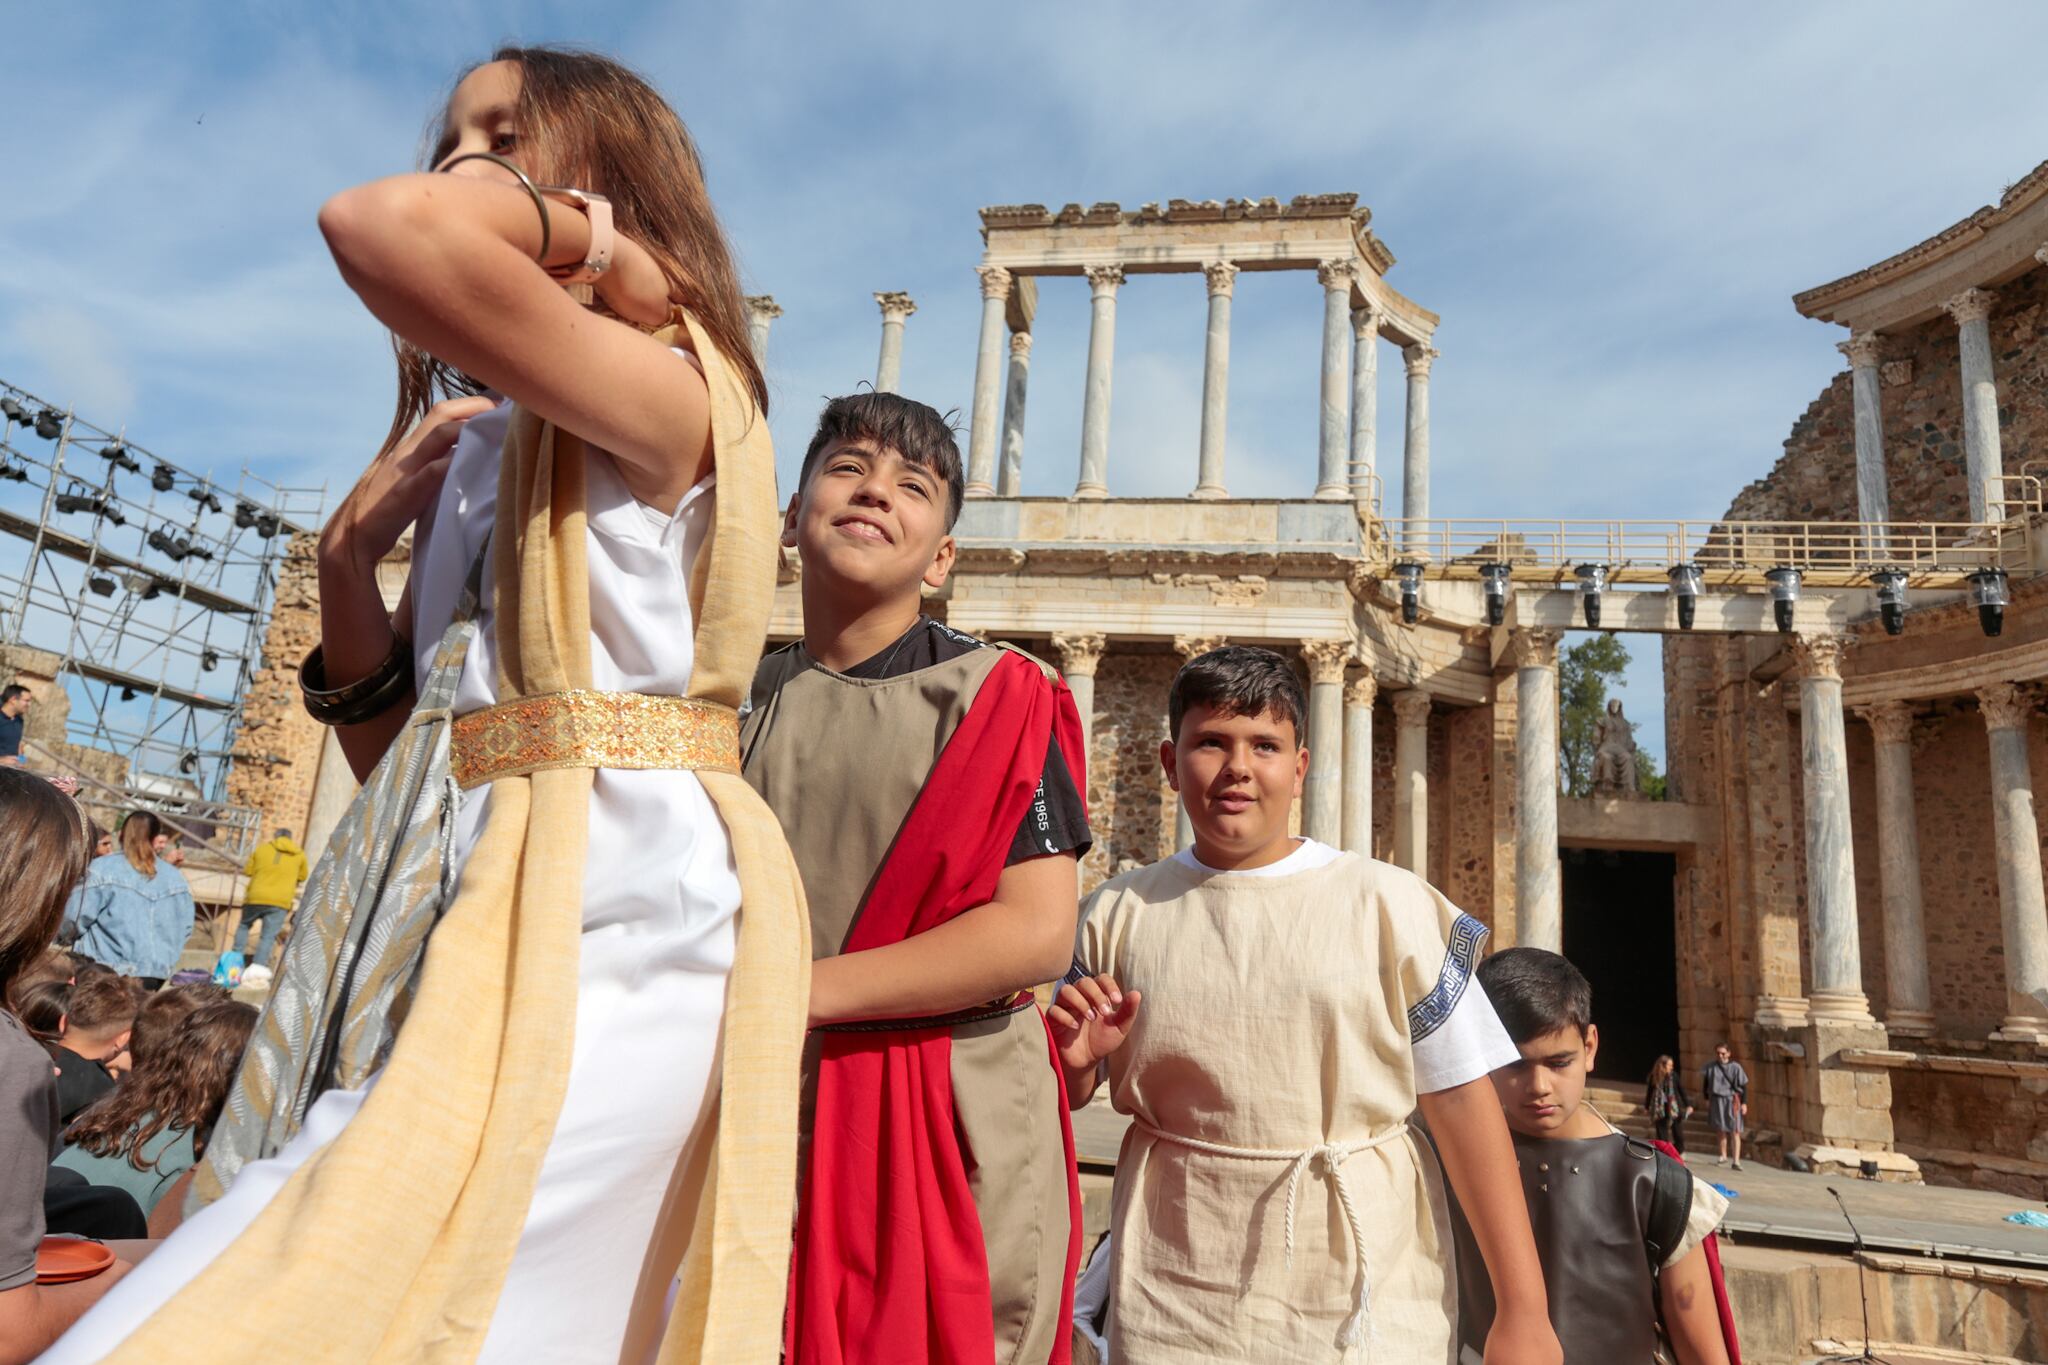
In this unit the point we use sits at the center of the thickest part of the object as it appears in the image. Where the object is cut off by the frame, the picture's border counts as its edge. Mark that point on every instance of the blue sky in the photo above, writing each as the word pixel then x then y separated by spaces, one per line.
pixel 1609 204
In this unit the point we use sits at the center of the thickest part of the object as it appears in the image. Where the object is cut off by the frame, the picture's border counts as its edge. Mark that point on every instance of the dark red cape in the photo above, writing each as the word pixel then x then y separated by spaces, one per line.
pixel 1713 1249
pixel 890 1263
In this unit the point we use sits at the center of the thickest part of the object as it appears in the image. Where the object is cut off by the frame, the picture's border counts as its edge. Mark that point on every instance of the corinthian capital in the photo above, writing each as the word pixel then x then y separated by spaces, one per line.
pixel 763 306
pixel 896 306
pixel 1020 345
pixel 1972 305
pixel 1419 358
pixel 1532 647
pixel 1079 650
pixel 1365 322
pixel 1891 722
pixel 1362 690
pixel 1336 274
pixel 1861 348
pixel 1104 279
pixel 1222 277
pixel 2005 706
pixel 1411 706
pixel 1326 659
pixel 1819 656
pixel 1195 646
pixel 995 281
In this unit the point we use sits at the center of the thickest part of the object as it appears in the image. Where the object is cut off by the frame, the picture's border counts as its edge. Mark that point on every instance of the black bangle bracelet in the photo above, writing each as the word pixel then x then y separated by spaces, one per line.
pixel 540 205
pixel 362 700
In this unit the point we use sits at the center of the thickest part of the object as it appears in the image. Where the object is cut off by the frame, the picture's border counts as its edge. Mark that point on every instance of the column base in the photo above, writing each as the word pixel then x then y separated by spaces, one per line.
pixel 2022 1028
pixel 978 490
pixel 1851 1007
pixel 1210 492
pixel 1332 492
pixel 1090 492
pixel 1780 1011
pixel 1909 1024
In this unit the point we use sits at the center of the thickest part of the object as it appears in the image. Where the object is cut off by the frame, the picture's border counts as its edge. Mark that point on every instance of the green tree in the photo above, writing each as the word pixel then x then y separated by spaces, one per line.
pixel 1649 781
pixel 1583 673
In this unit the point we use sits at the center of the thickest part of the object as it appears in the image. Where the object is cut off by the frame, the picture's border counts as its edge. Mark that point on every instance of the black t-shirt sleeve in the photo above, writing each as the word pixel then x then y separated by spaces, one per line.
pixel 1057 819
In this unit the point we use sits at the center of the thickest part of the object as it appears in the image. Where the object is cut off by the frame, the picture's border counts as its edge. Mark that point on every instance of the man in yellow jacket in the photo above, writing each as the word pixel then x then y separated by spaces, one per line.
pixel 275 871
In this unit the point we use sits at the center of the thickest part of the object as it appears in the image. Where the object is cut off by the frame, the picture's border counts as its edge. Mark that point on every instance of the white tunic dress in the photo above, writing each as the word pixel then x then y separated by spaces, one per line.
pixel 660 894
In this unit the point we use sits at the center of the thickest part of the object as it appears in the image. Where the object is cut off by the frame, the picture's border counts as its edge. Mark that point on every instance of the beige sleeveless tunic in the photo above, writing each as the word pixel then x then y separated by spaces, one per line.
pixel 1275 1018
pixel 841 761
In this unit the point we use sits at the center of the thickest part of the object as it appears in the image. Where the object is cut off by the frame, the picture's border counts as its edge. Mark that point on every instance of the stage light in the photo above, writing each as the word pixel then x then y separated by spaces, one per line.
pixel 267 525
pixel 14 412
pixel 127 694
pixel 1409 574
pixel 1784 583
pixel 1685 586
pixel 118 454
pixel 1990 591
pixel 209 660
pixel 164 479
pixel 245 515
pixel 1891 599
pixel 72 502
pixel 101 584
pixel 163 544
pixel 1494 578
pixel 49 424
pixel 1592 583
pixel 156 586
pixel 189 763
pixel 10 470
pixel 204 496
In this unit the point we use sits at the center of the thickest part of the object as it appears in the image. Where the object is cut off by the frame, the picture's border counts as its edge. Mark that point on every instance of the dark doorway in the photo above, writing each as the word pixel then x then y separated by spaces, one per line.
pixel 1618 930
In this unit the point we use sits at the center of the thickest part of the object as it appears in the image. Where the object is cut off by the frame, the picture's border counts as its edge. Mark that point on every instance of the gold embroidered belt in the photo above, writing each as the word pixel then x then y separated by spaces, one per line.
pixel 584 729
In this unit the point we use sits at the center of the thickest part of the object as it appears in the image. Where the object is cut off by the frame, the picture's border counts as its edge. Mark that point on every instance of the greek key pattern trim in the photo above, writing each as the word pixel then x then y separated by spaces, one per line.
pixel 1426 1016
pixel 584 729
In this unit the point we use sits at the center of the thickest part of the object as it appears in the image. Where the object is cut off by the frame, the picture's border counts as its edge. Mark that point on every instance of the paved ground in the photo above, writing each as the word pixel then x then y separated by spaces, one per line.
pixel 1773 1203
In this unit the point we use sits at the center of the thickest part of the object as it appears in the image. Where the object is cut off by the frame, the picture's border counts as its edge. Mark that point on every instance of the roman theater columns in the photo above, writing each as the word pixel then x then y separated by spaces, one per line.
pixel 1365 396
pixel 1103 281
pixel 1830 860
pixel 1080 652
pixel 896 310
pixel 1415 452
pixel 988 378
pixel 1010 476
pixel 1335 429
pixel 762 310
pixel 1322 795
pixel 1222 278
pixel 2023 907
pixel 1971 310
pixel 1358 699
pixel 1908 1000
pixel 1539 878
pixel 1873 499
pixel 1411 780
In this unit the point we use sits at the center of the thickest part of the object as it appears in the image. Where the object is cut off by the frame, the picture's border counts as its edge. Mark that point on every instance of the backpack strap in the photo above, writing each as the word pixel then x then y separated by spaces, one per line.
pixel 1670 1207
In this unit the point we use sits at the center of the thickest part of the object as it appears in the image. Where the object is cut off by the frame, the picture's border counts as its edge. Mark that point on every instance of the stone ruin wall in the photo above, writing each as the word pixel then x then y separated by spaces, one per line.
pixel 276 756
pixel 1758 870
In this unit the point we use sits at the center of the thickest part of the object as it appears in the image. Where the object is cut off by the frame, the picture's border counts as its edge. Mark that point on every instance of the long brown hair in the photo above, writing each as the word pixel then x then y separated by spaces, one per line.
pixel 138 841
pixel 182 1087
pixel 592 122
pixel 43 853
pixel 163 1015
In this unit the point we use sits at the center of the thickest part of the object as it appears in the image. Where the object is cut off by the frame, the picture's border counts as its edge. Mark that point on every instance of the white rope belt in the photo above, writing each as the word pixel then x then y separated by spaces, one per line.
pixel 1332 1155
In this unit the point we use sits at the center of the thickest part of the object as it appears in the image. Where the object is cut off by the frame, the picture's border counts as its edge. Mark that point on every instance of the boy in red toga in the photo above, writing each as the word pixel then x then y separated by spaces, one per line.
pixel 930 786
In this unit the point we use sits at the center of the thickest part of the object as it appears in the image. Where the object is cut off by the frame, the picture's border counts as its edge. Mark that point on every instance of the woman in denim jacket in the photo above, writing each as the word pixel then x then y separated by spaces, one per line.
pixel 134 911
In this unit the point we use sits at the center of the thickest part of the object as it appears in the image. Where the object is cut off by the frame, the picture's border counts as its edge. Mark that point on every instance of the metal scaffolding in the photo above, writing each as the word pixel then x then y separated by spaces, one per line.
pixel 153 585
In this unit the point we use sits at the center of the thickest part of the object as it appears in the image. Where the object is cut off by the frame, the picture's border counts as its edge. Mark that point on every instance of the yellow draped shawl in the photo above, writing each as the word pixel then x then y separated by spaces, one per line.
pixel 392 1242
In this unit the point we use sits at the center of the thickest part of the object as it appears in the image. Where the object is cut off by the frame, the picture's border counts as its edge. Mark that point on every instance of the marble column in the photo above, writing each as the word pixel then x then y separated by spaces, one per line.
pixel 1909 1010
pixel 1010 473
pixel 896 310
pixel 1972 311
pixel 2022 904
pixel 1415 449
pixel 1359 695
pixel 1189 647
pixel 988 379
pixel 1365 396
pixel 1830 859
pixel 1873 497
pixel 1539 876
pixel 762 310
pixel 1103 281
pixel 1222 276
pixel 1411 780
pixel 1322 791
pixel 1335 432
pixel 1080 651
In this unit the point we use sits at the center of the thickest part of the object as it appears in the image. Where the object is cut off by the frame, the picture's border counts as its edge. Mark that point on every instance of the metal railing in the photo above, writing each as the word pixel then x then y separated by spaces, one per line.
pixel 1725 552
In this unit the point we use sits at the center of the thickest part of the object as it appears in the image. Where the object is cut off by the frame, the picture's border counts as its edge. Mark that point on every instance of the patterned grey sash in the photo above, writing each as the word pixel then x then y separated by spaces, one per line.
pixel 360 933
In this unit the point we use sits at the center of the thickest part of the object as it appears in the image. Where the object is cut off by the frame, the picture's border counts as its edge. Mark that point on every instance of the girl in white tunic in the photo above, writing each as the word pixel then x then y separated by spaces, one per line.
pixel 660 889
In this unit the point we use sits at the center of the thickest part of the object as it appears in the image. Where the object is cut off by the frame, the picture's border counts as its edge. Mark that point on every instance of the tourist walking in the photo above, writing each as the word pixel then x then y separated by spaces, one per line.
pixel 134 910
pixel 1726 1086
pixel 529 1105
pixel 1666 1102
pixel 275 871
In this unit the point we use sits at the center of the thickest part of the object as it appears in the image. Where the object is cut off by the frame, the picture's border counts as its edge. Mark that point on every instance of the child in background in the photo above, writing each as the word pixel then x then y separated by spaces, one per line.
pixel 99 1016
pixel 1619 1225
pixel 1298 1005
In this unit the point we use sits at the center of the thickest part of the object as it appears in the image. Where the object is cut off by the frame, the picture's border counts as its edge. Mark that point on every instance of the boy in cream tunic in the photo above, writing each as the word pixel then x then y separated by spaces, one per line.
pixel 1271 1012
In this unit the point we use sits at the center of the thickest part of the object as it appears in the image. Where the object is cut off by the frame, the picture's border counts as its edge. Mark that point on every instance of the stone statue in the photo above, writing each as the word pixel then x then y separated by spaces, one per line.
pixel 1614 754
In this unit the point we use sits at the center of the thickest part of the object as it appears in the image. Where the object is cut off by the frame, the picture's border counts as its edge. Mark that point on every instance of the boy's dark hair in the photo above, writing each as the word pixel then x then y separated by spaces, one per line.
pixel 11 691
pixel 1535 992
pixel 102 1000
pixel 914 430
pixel 1238 680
